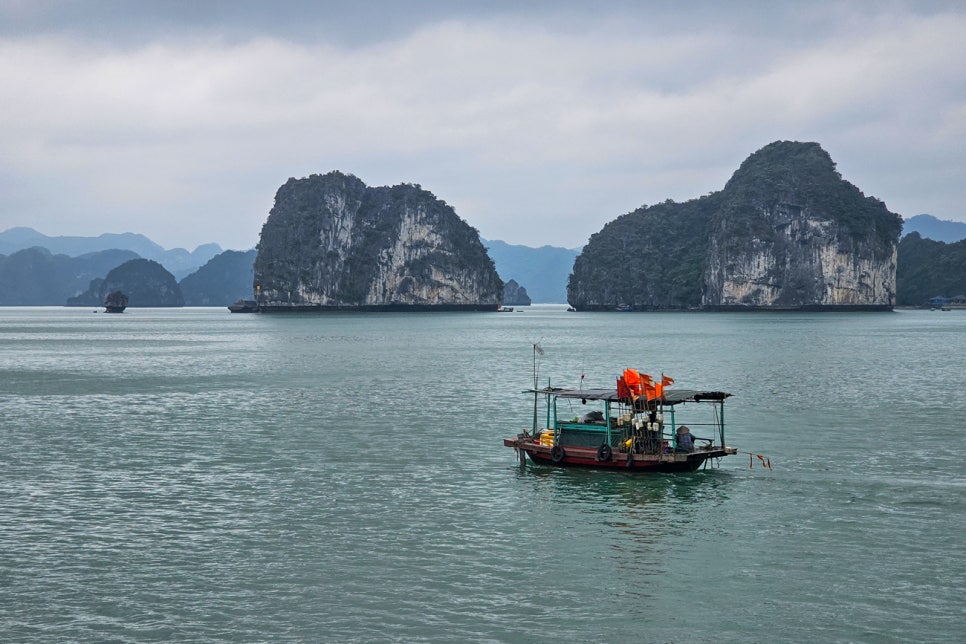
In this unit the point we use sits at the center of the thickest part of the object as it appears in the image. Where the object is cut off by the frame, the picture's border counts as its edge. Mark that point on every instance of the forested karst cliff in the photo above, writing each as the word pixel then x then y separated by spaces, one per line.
pixel 225 278
pixel 929 268
pixel 650 259
pixel 332 242
pixel 785 232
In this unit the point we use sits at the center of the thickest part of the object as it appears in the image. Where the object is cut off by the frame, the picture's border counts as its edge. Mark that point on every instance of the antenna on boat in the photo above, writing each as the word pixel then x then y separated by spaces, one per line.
pixel 537 350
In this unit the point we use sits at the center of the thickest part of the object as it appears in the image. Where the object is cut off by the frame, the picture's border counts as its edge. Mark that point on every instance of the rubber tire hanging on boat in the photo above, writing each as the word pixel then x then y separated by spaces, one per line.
pixel 604 452
pixel 557 453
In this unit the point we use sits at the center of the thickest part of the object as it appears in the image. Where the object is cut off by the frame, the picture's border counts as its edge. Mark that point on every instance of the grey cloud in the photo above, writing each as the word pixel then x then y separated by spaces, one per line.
pixel 538 122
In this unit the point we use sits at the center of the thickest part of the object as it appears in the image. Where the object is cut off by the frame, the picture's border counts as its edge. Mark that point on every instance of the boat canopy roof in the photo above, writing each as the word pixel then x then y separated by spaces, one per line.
pixel 671 396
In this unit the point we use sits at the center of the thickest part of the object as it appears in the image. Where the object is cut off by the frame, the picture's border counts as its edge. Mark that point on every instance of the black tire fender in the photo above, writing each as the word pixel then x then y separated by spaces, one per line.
pixel 557 453
pixel 604 452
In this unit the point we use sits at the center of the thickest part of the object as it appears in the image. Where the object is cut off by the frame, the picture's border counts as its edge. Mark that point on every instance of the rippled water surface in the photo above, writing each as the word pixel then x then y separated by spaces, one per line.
pixel 194 475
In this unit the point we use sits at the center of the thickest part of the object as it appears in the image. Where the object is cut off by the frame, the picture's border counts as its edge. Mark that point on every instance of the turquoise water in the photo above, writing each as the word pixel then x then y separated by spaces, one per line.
pixel 193 475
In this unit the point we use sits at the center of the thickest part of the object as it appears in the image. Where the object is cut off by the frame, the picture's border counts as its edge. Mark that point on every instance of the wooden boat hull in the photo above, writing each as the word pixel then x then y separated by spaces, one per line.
pixel 639 463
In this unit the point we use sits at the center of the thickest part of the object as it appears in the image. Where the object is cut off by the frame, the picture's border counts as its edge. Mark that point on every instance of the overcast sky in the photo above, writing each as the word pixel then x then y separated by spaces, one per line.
pixel 538 122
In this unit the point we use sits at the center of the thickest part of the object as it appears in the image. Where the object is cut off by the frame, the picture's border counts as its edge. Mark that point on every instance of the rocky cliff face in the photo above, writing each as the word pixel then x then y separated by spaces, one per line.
pixel 791 233
pixel 332 242
pixel 785 232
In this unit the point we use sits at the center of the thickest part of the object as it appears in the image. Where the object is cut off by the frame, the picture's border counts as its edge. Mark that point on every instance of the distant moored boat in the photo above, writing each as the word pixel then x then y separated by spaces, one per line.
pixel 244 306
pixel 115 302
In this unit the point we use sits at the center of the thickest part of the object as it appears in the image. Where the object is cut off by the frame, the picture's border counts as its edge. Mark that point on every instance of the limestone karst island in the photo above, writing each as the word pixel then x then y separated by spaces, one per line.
pixel 333 243
pixel 786 232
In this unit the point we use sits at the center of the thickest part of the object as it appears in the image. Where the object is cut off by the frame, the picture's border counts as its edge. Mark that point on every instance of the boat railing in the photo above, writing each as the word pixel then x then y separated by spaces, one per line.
pixel 626 436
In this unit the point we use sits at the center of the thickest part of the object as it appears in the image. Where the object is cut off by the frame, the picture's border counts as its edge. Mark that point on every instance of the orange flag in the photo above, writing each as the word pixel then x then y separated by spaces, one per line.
pixel 633 380
pixel 623 391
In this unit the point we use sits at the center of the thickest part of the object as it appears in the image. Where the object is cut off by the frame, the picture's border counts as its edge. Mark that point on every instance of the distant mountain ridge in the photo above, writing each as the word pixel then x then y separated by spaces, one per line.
pixel 178 261
pixel 40 270
pixel 930 227
pixel 541 271
pixel 36 277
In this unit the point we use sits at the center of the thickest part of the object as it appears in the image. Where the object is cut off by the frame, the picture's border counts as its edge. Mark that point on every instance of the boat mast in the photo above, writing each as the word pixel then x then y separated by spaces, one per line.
pixel 536 350
pixel 721 421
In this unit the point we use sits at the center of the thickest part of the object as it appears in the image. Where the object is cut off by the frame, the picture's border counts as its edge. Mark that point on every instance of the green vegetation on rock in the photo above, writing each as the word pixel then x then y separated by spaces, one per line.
pixel 653 258
pixel 224 279
pixel 928 268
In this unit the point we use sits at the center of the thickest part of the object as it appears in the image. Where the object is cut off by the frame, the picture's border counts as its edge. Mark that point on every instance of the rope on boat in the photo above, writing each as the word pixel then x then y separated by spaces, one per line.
pixel 765 461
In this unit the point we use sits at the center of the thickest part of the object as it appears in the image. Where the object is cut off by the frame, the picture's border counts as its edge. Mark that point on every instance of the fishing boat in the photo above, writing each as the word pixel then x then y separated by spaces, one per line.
pixel 641 425
pixel 115 302
pixel 244 306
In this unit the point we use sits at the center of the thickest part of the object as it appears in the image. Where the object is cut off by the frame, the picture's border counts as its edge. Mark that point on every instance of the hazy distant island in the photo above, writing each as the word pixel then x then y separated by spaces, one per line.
pixel 929 227
pixel 541 271
pixel 144 283
pixel 178 261
pixel 515 295
pixel 786 232
pixel 333 243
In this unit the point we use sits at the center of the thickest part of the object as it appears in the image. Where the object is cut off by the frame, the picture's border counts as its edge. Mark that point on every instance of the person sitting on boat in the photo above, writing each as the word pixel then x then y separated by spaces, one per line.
pixel 685 439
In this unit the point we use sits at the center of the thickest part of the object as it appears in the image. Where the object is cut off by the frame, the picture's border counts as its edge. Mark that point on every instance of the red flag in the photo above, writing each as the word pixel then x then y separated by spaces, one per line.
pixel 667 381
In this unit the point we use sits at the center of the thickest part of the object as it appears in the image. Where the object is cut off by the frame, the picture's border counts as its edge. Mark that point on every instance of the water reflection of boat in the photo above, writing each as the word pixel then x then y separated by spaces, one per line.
pixel 673 494
pixel 639 426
